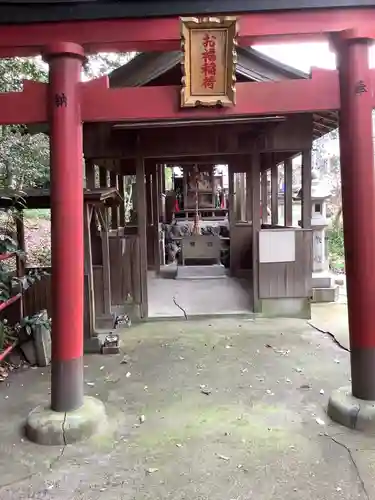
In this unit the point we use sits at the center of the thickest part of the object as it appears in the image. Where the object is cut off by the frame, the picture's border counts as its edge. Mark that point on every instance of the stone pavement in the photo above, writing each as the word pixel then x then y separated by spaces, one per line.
pixel 219 410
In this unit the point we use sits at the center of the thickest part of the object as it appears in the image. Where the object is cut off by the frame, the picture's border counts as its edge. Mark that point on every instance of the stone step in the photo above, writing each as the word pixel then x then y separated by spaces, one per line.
pixel 331 294
pixel 201 272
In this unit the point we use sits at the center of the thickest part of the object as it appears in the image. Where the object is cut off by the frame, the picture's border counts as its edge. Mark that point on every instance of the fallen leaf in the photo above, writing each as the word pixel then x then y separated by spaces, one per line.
pixel 305 386
pixel 151 470
pixel 207 392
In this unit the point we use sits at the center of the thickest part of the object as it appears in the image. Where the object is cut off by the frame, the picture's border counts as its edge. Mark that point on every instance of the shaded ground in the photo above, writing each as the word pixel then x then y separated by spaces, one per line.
pixel 234 409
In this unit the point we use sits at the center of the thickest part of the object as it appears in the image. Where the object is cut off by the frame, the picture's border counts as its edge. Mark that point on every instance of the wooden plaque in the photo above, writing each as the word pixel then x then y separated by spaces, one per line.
pixel 208 61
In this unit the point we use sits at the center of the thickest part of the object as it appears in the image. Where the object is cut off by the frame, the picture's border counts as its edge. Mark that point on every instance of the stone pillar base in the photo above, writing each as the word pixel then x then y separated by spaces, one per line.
pixel 351 412
pixel 48 427
pixel 323 288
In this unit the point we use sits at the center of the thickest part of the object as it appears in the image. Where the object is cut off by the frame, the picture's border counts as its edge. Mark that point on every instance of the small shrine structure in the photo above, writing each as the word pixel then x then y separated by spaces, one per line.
pixel 212 114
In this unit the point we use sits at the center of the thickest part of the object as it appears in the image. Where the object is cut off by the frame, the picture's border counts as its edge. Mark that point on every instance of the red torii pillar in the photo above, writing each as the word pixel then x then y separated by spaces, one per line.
pixel 354 408
pixel 70 416
pixel 65 64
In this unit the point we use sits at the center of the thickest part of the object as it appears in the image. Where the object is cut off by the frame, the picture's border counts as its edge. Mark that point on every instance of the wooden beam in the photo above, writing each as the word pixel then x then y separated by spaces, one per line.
pixel 163 34
pixel 288 192
pixel 142 232
pixel 102 103
pixel 306 208
pixel 292 134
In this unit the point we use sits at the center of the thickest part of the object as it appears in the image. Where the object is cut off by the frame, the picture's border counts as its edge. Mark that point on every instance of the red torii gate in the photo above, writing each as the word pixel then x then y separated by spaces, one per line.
pixel 66 102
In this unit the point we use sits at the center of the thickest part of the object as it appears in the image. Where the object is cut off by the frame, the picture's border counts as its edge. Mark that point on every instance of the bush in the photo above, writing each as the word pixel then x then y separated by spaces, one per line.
pixel 336 247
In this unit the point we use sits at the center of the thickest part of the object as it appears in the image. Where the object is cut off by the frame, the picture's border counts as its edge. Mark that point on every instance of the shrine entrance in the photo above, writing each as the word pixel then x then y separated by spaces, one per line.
pixel 190 240
pixel 193 276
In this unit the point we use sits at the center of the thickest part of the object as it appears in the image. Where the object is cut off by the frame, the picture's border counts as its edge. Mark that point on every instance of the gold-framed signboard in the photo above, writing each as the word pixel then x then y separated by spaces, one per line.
pixel 208 61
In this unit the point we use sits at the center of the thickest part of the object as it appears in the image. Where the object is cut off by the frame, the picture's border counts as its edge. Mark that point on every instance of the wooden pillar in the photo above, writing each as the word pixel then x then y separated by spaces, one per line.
pixel 237 196
pixel 248 197
pixel 67 224
pixel 231 213
pixel 121 190
pixel 288 192
pixel 88 271
pixel 358 199
pixel 107 294
pixel 274 194
pixel 186 171
pixel 142 232
pixel 90 174
pixel 114 210
pixel 213 188
pixel 149 197
pixel 103 177
pixel 306 208
pixel 255 169
pixel 155 216
pixel 20 261
pixel 264 197
pixel 161 184
pixel 20 230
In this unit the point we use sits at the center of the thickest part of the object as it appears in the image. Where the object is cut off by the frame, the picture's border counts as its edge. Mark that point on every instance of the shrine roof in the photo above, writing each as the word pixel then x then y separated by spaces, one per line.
pixel 32 11
pixel 163 68
pixel 40 198
pixel 148 67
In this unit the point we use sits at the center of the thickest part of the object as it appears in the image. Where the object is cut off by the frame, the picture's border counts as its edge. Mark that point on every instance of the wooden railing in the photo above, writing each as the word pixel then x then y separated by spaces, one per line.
pixel 38 296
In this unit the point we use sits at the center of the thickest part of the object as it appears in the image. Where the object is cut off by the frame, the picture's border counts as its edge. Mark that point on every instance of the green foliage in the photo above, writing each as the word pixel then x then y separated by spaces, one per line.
pixel 336 247
pixel 24 158
pixel 103 63
pixel 7 334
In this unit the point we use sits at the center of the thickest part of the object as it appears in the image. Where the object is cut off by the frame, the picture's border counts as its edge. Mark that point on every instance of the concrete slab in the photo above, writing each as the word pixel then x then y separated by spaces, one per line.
pixel 332 318
pixel 325 294
pixel 322 280
pixel 231 409
pixel 198 297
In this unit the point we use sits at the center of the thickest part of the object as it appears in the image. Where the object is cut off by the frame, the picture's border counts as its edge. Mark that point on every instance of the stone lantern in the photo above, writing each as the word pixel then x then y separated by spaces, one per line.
pixel 322 282
pixel 319 197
